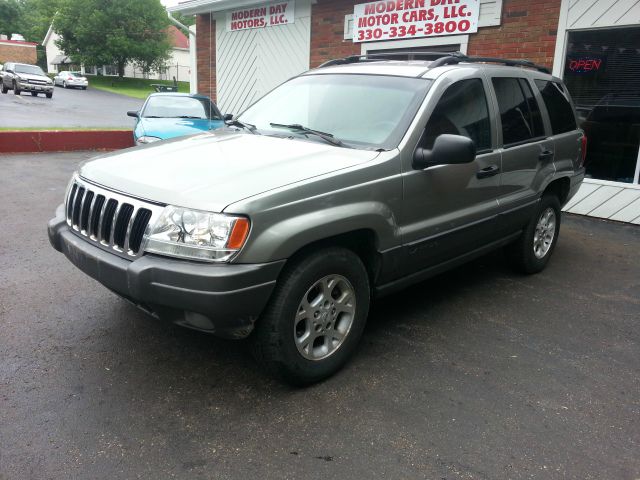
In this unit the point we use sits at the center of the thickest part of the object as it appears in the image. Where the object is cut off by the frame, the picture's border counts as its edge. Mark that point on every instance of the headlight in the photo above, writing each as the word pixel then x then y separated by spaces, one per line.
pixel 212 237
pixel 146 139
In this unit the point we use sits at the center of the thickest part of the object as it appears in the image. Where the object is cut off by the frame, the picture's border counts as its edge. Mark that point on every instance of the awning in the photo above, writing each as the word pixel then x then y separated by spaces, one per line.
pixel 60 59
pixel 193 7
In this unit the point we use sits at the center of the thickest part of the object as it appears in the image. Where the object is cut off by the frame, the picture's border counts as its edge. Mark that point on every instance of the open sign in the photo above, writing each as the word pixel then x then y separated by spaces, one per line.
pixel 582 65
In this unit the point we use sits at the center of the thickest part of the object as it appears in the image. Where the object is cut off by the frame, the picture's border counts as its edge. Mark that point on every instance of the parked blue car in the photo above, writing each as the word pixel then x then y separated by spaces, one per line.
pixel 169 115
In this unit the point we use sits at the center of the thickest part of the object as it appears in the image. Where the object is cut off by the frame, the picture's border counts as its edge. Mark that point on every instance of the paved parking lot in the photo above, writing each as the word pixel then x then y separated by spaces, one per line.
pixel 477 374
pixel 67 108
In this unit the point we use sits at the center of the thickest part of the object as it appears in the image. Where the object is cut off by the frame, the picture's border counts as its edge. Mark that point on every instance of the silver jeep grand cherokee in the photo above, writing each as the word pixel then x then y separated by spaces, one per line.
pixel 350 181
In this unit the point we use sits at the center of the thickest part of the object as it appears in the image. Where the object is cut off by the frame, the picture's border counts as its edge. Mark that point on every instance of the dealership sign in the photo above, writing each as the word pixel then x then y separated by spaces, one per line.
pixel 396 19
pixel 268 15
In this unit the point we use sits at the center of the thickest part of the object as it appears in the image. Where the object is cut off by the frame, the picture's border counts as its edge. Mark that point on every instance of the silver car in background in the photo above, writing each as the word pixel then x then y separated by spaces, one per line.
pixel 71 80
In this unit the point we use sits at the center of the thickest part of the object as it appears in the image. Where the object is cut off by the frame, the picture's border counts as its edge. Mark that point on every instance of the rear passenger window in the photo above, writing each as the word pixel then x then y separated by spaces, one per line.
pixel 560 110
pixel 462 110
pixel 519 111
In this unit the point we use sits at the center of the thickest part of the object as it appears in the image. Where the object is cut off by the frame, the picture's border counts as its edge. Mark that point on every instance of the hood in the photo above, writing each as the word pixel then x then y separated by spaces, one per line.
pixel 29 76
pixel 176 127
pixel 212 170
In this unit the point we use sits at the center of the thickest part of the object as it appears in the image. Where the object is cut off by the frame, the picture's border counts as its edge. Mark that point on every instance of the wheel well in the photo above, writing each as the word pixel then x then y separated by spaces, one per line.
pixel 559 188
pixel 362 242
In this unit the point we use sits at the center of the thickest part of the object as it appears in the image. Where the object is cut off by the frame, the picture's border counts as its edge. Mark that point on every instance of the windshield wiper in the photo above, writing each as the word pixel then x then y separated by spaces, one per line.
pixel 246 126
pixel 327 137
pixel 190 116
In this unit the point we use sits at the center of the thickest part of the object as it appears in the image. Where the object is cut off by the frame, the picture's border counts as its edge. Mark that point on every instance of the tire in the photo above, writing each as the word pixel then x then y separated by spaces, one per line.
pixel 64 84
pixel 34 94
pixel 49 95
pixel 83 88
pixel 4 88
pixel 531 252
pixel 16 90
pixel 279 337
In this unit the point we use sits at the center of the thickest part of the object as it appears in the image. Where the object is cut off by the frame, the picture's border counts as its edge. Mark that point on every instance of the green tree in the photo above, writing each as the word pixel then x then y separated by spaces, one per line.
pixel 113 32
pixel 37 17
pixel 11 17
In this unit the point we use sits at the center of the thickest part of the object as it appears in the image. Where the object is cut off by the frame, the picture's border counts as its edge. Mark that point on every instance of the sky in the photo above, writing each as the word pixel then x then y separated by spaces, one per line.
pixel 170 3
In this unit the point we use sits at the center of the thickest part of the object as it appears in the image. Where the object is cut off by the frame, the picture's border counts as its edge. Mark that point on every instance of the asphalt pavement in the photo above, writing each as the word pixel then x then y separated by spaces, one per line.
pixel 67 108
pixel 479 373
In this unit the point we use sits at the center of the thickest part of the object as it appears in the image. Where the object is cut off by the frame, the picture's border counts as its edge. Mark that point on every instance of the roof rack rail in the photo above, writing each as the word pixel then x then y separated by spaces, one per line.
pixel 378 57
pixel 454 59
pixel 439 59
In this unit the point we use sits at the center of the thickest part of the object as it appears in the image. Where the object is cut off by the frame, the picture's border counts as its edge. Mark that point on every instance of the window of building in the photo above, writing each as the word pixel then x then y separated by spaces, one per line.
pixel 110 70
pixel 462 110
pixel 558 106
pixel 519 111
pixel 602 74
pixel 413 53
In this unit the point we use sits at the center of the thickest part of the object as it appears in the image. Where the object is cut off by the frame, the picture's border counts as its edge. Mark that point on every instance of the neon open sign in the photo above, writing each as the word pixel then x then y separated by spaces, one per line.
pixel 584 65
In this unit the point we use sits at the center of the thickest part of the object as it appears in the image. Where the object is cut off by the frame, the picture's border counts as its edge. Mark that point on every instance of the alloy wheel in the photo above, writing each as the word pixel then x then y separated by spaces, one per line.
pixel 324 317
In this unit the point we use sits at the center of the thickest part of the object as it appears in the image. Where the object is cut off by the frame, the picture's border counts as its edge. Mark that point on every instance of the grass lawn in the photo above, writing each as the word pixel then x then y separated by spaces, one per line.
pixel 132 87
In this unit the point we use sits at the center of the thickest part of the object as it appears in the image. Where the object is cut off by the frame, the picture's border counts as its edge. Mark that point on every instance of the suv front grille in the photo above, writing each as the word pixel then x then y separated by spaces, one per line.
pixel 112 221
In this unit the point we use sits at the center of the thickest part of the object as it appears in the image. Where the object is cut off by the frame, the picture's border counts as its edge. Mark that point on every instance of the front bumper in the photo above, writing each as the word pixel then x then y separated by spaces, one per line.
pixel 30 87
pixel 224 299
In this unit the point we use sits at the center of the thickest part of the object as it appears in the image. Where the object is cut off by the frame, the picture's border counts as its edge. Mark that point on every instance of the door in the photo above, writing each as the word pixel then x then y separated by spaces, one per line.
pixel 527 151
pixel 449 210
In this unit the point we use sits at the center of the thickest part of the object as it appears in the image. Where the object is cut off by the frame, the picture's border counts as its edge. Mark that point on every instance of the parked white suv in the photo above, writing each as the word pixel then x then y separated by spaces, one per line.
pixel 22 77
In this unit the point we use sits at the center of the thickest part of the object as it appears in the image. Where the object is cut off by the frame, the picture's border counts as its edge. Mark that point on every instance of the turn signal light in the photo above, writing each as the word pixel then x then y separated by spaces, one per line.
pixel 239 233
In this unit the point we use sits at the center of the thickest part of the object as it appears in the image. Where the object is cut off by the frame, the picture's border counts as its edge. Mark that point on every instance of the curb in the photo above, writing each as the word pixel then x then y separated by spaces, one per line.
pixel 64 141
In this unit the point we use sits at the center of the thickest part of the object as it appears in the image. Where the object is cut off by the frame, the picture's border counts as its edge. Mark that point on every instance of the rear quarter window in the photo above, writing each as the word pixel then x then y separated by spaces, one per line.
pixel 560 110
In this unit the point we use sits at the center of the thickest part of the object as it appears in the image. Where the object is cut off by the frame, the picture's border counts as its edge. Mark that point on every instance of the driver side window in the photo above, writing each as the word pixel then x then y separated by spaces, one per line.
pixel 462 110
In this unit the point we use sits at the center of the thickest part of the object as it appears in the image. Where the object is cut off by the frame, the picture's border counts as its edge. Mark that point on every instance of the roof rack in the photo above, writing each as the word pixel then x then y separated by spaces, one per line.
pixel 439 59
pixel 378 57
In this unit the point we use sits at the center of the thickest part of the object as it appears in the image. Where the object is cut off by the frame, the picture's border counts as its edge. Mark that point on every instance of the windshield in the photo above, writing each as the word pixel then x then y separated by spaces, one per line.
pixel 366 111
pixel 170 106
pixel 29 69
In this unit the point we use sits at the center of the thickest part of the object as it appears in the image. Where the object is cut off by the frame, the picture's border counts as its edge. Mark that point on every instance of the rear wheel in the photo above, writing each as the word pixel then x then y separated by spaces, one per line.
pixel 64 84
pixel 34 94
pixel 532 251
pixel 315 318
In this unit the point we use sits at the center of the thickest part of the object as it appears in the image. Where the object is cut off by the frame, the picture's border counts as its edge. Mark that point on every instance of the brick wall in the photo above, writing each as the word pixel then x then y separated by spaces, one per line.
pixel 206 55
pixel 327 31
pixel 18 52
pixel 528 30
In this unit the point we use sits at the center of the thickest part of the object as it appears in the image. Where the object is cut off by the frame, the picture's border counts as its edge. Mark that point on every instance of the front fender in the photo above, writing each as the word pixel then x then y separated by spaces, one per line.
pixel 284 238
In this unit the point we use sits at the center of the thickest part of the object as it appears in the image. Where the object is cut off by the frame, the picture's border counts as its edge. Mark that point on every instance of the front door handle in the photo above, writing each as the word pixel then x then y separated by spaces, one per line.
pixel 546 155
pixel 489 171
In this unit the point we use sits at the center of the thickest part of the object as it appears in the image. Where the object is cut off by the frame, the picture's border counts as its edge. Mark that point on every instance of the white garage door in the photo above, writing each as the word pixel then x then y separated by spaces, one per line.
pixel 249 63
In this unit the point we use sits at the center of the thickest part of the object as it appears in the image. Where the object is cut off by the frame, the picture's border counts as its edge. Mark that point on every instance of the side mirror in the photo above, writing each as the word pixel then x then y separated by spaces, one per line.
pixel 8 70
pixel 133 113
pixel 447 150
pixel 227 117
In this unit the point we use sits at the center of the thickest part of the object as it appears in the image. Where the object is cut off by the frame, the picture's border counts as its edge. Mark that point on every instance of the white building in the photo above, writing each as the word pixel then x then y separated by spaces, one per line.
pixel 178 66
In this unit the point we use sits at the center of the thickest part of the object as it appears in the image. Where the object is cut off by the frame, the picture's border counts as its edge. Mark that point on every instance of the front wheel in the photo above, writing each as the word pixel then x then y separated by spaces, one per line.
pixel 4 88
pixel 315 318
pixel 16 90
pixel 532 251
pixel 49 95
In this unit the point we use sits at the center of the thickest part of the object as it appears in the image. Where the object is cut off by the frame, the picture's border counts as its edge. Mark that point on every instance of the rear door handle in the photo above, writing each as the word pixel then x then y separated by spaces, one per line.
pixel 489 171
pixel 546 155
